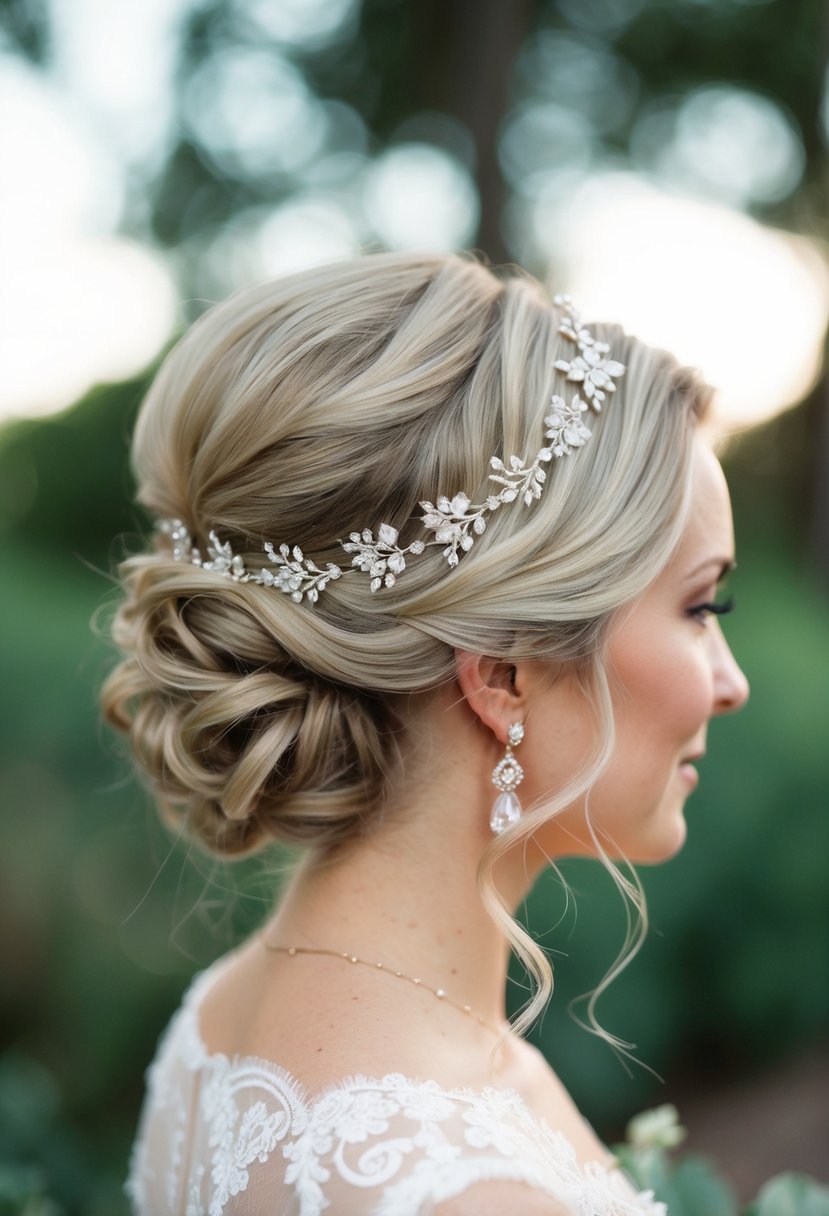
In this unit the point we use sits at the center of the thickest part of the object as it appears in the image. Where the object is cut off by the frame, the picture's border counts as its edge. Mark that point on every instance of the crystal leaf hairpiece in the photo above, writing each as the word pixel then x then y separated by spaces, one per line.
pixel 453 523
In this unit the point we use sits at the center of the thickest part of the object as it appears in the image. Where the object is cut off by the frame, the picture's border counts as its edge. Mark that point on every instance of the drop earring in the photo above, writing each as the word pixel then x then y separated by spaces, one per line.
pixel 506 775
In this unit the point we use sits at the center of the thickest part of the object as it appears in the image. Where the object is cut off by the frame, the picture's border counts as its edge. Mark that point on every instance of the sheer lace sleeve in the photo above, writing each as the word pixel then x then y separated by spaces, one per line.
pixel 224 1137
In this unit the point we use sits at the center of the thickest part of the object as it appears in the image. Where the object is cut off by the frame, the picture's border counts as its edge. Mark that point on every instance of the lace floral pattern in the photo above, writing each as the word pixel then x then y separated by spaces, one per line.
pixel 222 1137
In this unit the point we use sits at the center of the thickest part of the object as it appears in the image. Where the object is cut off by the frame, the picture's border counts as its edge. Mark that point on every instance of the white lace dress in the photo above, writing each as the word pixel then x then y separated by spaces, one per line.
pixel 240 1137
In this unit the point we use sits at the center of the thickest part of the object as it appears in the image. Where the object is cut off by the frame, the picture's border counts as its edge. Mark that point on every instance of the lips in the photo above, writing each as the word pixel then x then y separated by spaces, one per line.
pixel 689 773
pixel 692 759
pixel 686 768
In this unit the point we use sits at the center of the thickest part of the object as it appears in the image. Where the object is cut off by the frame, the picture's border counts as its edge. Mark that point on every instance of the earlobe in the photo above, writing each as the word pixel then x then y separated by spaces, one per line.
pixel 489 687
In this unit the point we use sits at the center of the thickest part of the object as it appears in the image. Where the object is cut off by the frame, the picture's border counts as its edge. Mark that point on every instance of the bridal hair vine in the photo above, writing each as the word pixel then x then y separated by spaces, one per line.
pixel 453 522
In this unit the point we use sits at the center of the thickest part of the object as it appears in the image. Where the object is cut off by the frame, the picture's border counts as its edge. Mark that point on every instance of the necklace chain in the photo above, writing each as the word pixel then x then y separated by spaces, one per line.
pixel 440 993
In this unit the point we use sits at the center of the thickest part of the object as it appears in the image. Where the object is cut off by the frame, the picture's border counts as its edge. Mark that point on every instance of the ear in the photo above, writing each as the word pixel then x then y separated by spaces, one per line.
pixel 493 689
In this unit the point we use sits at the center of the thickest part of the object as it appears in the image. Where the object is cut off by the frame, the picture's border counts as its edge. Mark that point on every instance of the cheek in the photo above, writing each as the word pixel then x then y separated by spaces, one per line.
pixel 663 686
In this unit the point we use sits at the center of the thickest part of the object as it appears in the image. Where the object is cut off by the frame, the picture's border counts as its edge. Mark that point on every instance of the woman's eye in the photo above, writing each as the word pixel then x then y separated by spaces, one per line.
pixel 712 607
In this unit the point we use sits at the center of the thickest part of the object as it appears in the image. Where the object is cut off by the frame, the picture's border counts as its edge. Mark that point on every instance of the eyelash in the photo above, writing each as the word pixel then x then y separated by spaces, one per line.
pixel 701 611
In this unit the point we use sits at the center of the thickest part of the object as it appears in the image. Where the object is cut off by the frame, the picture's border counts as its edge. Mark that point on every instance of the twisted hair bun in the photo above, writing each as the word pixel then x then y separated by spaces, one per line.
pixel 323 403
pixel 251 748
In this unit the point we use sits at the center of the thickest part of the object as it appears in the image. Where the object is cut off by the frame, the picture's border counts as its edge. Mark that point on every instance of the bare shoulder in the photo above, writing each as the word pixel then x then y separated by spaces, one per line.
pixel 321 1022
pixel 497 1198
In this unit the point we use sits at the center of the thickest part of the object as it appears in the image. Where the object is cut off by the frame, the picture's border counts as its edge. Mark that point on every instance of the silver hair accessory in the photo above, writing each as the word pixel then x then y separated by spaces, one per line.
pixel 454 522
pixel 506 775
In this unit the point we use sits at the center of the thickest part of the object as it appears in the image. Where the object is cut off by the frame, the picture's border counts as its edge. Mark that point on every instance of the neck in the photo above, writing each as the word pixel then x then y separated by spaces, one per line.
pixel 407 896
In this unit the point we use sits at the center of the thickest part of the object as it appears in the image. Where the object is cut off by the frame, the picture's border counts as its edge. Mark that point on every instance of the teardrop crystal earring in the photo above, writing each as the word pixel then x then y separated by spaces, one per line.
pixel 506 775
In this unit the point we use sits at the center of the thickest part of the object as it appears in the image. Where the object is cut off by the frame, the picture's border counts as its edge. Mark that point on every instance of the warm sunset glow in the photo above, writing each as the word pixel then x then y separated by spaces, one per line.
pixel 75 308
pixel 745 303
pixel 76 314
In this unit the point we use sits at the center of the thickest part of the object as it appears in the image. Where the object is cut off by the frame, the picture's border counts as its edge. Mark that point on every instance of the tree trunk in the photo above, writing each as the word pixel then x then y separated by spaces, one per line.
pixel 470 47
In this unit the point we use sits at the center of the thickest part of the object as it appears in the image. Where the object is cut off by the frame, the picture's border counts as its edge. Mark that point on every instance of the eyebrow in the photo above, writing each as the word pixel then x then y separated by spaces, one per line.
pixel 725 567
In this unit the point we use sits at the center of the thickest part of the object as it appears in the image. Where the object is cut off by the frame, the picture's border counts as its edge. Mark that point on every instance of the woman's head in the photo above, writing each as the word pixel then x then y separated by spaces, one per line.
pixel 670 671
pixel 329 402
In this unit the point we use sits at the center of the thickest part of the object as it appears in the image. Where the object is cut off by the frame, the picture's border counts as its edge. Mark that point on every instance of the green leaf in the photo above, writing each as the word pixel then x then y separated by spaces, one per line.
pixel 791 1195
pixel 695 1189
pixel 691 1188
pixel 647 1168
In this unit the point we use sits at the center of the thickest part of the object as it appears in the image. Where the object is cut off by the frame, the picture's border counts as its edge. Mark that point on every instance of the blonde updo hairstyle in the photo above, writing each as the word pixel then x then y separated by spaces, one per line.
pixel 334 400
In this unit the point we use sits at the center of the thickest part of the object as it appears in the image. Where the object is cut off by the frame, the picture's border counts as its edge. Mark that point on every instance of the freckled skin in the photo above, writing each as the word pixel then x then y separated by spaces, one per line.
pixel 670 673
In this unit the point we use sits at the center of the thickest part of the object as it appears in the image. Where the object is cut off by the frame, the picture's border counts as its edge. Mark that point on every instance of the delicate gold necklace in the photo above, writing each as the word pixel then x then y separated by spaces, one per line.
pixel 439 993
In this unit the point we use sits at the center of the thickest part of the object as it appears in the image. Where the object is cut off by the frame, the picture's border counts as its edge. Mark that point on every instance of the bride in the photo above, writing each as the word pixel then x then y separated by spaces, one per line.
pixel 433 594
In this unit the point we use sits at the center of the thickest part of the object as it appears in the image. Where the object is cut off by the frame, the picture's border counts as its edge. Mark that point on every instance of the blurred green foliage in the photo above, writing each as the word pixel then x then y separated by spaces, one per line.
pixel 693 1187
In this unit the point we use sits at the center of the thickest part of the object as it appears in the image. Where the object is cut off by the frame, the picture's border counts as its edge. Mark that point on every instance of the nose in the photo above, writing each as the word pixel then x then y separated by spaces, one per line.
pixel 731 687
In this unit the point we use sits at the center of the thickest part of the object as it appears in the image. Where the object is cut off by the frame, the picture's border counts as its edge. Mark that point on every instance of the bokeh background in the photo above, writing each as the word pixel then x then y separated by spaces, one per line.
pixel 667 162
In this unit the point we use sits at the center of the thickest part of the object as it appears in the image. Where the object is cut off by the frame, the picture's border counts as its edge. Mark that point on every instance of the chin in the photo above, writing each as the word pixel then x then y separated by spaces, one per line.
pixel 651 837
pixel 665 843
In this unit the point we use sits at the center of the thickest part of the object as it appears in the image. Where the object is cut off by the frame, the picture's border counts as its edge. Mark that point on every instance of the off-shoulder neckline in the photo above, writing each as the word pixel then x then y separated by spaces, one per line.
pixel 252 1088
pixel 307 1097
pixel 199 1054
